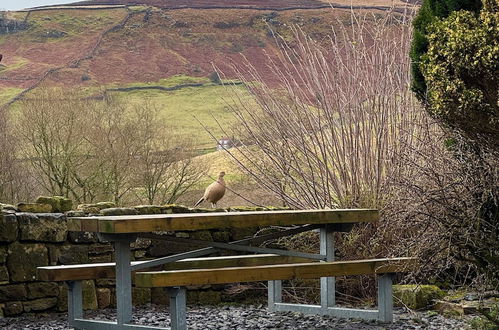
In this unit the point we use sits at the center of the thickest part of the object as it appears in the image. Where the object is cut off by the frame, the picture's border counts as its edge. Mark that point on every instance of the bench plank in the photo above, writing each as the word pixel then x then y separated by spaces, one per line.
pixel 217 220
pixel 272 272
pixel 107 270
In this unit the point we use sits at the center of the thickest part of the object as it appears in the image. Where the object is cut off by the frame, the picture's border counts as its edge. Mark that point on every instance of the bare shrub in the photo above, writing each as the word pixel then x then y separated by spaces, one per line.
pixel 164 168
pixel 14 183
pixel 448 199
pixel 330 135
pixel 51 126
pixel 88 149
pixel 342 129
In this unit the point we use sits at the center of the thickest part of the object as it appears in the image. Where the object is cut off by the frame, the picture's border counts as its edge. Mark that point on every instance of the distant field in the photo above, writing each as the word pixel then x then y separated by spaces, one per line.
pixel 181 108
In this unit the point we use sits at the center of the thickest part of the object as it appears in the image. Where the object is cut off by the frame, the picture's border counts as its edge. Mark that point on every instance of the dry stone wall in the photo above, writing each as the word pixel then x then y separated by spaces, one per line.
pixel 29 240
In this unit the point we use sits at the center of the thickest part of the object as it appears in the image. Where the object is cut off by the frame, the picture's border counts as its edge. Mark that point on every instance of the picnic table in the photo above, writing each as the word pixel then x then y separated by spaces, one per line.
pixel 178 271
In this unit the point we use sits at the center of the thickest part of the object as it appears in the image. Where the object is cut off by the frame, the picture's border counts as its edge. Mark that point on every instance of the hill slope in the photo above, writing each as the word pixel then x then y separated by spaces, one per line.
pixel 109 44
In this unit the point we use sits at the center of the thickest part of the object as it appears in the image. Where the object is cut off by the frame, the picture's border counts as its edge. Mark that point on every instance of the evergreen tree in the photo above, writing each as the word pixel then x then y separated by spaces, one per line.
pixel 429 12
pixel 461 70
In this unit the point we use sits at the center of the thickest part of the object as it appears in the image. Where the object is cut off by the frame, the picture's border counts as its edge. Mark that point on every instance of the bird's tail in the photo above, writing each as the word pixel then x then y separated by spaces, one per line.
pixel 199 201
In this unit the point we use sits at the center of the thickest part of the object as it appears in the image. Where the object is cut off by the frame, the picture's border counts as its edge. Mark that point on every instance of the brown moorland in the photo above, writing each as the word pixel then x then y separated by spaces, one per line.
pixel 88 46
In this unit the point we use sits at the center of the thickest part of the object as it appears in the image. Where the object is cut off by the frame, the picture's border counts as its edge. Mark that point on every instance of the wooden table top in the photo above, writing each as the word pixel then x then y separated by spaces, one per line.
pixel 217 220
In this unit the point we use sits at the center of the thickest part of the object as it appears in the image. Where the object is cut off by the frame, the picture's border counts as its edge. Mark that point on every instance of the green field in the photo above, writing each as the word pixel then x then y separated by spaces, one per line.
pixel 189 108
pixel 8 93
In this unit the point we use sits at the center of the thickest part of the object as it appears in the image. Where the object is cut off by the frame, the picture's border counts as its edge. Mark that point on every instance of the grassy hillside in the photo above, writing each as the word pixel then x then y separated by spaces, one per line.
pixel 129 48
pixel 186 107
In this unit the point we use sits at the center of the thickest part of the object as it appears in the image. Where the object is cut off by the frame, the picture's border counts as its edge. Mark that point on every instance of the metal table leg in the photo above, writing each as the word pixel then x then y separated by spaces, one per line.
pixel 75 301
pixel 123 275
pixel 328 284
pixel 274 294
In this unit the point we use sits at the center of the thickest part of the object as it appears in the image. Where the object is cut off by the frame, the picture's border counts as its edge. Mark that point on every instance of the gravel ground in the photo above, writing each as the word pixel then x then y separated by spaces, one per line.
pixel 240 317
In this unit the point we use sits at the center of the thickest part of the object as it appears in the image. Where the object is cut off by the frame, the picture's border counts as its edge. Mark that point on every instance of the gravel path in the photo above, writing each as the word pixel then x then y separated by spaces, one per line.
pixel 239 317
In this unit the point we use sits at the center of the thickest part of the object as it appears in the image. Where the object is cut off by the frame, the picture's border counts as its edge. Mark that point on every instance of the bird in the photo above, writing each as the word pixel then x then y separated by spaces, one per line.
pixel 214 192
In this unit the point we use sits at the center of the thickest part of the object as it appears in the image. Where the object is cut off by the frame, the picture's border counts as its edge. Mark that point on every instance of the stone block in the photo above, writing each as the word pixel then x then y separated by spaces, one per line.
pixel 42 290
pixel 54 253
pixel 210 297
pixel 148 209
pixel 13 292
pixel 159 296
pixel 43 227
pixel 448 308
pixel 165 248
pixel 119 211
pixel 100 249
pixel 3 254
pixel 103 298
pixel 22 260
pixel 62 299
pixel 66 204
pixel 34 207
pixel 113 297
pixel 241 233
pixel 39 304
pixel 8 228
pixel 192 297
pixel 73 254
pixel 175 208
pixel 105 205
pixel 246 208
pixel 90 209
pixel 95 208
pixel 139 254
pixel 4 275
pixel 204 210
pixel 79 237
pixel 100 258
pixel 105 282
pixel 77 213
pixel 141 243
pixel 417 296
pixel 141 296
pixel 221 236
pixel 13 308
pixel 89 295
pixel 58 203
pixel 202 235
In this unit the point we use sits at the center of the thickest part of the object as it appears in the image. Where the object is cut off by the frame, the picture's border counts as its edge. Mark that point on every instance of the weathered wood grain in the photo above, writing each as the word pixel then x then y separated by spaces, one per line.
pixel 272 272
pixel 107 270
pixel 219 220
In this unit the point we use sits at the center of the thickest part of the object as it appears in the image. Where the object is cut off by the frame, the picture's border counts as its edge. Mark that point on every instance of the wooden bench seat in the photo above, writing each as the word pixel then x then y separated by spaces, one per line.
pixel 107 270
pixel 272 272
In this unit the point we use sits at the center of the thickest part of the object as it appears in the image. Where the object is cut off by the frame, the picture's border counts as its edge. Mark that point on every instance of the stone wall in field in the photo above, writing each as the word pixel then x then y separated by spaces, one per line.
pixel 29 239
